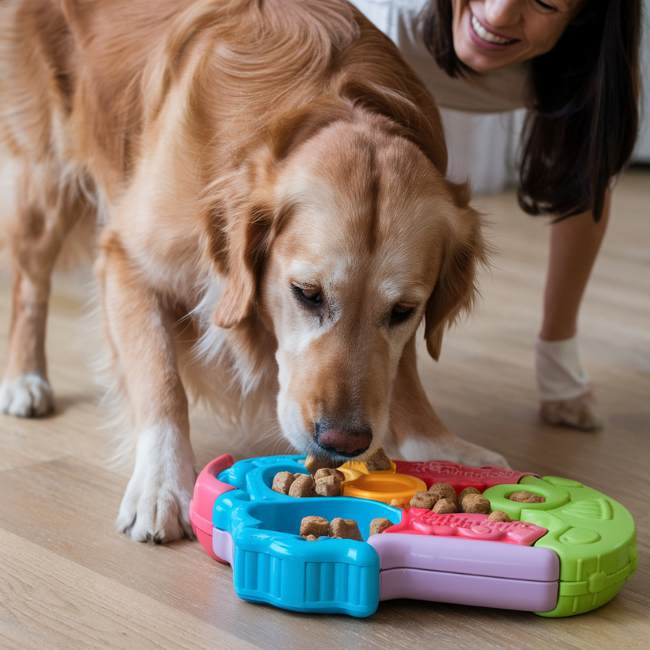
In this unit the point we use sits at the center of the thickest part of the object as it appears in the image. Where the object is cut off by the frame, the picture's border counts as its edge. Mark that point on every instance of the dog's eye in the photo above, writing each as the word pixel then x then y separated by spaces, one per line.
pixel 400 313
pixel 309 296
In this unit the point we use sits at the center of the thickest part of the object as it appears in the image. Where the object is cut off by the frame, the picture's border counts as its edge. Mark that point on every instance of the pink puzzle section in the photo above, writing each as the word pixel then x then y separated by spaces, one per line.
pixel 459 476
pixel 420 521
pixel 206 491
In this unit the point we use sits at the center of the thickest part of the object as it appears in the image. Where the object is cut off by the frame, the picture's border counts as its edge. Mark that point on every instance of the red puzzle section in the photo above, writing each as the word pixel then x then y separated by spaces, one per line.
pixel 460 476
pixel 420 521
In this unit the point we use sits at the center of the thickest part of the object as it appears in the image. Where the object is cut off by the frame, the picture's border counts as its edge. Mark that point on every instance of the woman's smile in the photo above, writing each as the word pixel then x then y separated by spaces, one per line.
pixel 491 34
pixel 485 37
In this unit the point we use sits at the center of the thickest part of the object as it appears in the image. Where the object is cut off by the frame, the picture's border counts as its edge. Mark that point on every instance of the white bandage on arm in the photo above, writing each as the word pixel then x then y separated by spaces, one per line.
pixel 559 373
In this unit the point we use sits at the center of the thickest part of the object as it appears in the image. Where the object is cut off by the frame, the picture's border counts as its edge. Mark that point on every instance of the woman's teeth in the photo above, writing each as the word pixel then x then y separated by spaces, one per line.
pixel 489 36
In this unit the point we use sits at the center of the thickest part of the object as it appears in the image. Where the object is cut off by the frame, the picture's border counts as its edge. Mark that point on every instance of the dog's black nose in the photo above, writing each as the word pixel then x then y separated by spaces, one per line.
pixel 343 441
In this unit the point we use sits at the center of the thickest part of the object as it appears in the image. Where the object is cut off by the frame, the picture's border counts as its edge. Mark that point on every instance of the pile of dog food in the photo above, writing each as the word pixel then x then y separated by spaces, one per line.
pixel 441 498
pixel 323 481
pixel 526 497
pixel 327 481
pixel 313 528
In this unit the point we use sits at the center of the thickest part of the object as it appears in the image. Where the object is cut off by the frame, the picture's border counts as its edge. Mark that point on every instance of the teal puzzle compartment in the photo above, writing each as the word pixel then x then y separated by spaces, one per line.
pixel 273 564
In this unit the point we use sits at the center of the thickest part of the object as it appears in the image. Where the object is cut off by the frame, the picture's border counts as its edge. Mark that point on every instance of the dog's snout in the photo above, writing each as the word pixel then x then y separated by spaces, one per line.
pixel 344 441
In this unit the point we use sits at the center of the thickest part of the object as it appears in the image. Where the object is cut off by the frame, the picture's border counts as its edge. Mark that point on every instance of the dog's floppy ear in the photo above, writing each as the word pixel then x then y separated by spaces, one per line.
pixel 455 289
pixel 241 263
pixel 247 232
pixel 239 251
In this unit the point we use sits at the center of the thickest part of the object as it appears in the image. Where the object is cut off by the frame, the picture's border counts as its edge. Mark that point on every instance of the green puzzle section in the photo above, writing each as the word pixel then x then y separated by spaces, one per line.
pixel 593 535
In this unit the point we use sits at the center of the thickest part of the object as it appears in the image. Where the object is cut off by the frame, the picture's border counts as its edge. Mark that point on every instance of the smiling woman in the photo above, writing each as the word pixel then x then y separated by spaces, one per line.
pixel 574 64
pixel 581 61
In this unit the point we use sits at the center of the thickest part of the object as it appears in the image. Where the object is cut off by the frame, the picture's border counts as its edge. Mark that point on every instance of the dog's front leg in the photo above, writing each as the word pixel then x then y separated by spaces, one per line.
pixel 417 432
pixel 46 210
pixel 139 329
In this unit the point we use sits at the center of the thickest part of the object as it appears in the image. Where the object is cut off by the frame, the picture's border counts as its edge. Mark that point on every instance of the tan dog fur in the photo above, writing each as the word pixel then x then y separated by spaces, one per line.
pixel 231 150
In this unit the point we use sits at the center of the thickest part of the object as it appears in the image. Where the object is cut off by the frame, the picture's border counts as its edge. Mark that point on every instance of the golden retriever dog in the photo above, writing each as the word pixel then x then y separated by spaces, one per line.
pixel 268 179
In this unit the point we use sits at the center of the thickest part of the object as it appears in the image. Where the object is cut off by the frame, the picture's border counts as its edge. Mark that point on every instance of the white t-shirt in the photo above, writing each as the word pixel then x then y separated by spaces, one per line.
pixel 502 90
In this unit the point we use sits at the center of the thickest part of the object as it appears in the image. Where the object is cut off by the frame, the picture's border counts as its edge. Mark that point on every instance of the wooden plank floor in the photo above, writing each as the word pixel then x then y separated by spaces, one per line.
pixel 67 580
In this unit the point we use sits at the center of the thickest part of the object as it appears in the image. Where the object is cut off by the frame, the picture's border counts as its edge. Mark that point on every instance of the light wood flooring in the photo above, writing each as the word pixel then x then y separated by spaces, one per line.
pixel 67 580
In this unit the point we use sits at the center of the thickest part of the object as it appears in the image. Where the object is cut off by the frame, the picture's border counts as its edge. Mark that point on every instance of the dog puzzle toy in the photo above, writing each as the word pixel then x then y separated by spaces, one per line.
pixel 567 549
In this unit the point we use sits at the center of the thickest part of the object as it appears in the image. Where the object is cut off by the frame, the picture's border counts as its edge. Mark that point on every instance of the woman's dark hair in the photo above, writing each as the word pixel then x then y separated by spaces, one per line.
pixel 585 115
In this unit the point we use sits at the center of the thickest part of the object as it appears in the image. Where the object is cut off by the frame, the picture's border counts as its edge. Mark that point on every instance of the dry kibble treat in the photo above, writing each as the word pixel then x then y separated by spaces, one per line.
pixel 282 482
pixel 526 497
pixel 422 500
pixel 328 471
pixel 314 463
pixel 379 525
pixel 329 486
pixel 316 526
pixel 468 490
pixel 442 491
pixel 445 506
pixel 302 486
pixel 345 528
pixel 378 461
pixel 473 503
pixel 499 515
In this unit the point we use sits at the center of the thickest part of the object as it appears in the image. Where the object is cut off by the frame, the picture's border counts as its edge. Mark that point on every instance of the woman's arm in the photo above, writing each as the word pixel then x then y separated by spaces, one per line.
pixel 563 384
pixel 574 246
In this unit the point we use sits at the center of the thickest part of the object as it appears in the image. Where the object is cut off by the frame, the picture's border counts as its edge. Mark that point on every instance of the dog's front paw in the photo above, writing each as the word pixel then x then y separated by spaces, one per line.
pixel 468 453
pixel 155 506
pixel 26 396
pixel 450 447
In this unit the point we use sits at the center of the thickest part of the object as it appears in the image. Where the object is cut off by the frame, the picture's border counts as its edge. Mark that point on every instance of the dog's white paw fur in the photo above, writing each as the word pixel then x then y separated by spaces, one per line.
pixel 450 448
pixel 155 506
pixel 26 396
